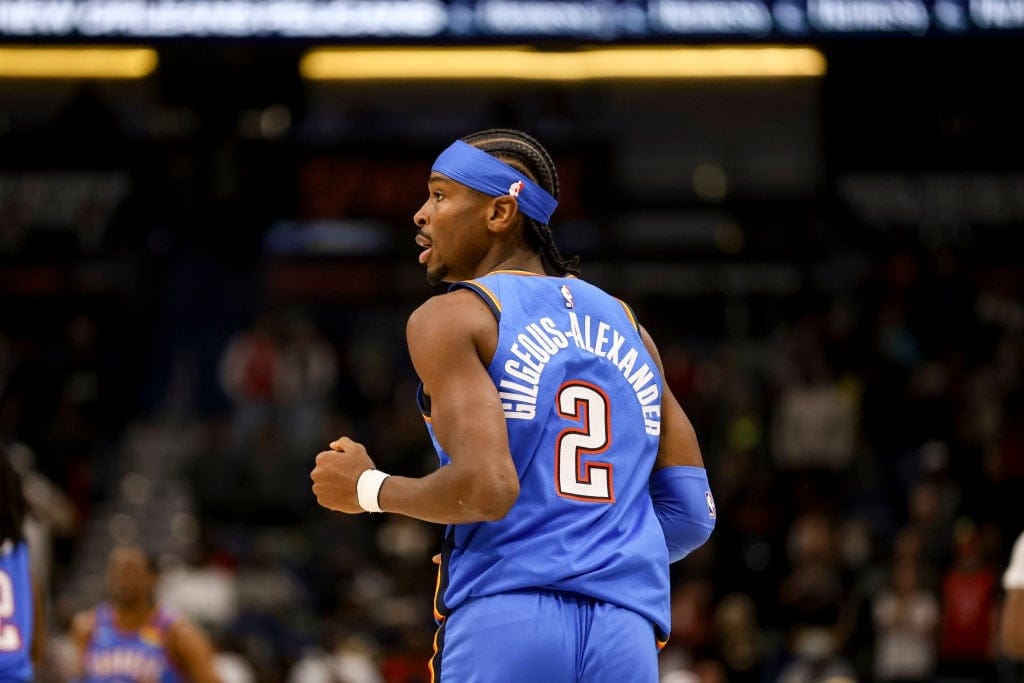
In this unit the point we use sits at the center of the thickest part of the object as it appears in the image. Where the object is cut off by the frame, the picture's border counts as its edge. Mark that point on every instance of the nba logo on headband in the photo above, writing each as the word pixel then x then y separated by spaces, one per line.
pixel 515 188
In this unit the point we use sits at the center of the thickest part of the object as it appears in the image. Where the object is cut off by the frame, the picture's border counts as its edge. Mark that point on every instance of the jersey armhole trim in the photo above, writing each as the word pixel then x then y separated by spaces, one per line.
pixel 629 314
pixel 484 293
pixel 423 402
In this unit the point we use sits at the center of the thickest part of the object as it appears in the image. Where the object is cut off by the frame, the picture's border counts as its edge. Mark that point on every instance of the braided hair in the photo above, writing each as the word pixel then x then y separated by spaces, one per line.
pixel 525 154
pixel 12 503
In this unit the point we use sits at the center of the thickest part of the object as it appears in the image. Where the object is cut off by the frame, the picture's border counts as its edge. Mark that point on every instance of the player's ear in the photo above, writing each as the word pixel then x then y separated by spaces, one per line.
pixel 502 213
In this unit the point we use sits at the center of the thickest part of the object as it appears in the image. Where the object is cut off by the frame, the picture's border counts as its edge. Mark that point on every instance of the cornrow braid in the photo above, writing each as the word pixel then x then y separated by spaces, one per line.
pixel 524 153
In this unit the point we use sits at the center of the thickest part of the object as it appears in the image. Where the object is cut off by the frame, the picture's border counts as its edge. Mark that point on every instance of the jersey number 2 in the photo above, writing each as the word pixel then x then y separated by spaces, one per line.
pixel 574 477
pixel 10 637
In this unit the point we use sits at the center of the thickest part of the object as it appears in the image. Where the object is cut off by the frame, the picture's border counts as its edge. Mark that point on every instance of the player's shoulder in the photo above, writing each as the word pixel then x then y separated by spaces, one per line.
pixel 455 310
pixel 83 623
pixel 584 287
pixel 85 616
pixel 167 614
pixel 186 639
pixel 175 622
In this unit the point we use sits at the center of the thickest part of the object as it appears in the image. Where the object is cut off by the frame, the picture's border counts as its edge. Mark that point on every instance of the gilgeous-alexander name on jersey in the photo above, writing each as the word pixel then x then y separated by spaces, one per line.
pixel 540 340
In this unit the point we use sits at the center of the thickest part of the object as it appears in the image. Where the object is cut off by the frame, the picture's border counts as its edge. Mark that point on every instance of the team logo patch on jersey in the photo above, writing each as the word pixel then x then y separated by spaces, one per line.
pixel 712 512
pixel 515 188
pixel 567 295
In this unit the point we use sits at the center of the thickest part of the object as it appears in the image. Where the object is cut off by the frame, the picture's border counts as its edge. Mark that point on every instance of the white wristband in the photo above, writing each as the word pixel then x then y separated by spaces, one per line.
pixel 368 489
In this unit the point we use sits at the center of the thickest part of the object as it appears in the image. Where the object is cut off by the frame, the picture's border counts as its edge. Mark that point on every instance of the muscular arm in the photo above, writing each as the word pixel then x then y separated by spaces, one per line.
pixel 191 652
pixel 450 336
pixel 679 484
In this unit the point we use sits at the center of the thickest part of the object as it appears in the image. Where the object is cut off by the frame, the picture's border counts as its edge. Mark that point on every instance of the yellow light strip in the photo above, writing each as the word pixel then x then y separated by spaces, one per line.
pixel 522 63
pixel 76 62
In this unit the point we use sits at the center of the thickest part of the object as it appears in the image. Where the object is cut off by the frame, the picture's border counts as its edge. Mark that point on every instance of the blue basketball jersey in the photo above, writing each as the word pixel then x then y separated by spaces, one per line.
pixel 116 656
pixel 582 401
pixel 17 613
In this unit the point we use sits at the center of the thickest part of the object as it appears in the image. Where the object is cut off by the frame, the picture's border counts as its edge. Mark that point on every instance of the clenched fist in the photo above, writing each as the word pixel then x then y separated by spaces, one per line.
pixel 336 473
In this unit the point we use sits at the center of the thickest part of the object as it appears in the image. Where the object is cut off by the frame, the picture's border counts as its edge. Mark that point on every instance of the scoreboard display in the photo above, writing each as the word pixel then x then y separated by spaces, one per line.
pixel 455 21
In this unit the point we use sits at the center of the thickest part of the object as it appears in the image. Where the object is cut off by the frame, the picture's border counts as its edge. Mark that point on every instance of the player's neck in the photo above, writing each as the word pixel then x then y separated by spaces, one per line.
pixel 521 260
pixel 132 616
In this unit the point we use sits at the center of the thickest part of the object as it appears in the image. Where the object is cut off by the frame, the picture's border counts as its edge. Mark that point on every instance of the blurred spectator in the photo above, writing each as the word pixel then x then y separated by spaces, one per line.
pixel 932 521
pixel 906 623
pixel 710 671
pixel 231 667
pixel 908 547
pixel 207 594
pixel 248 370
pixel 405 661
pixel 405 540
pixel 692 617
pixel 811 596
pixel 353 659
pixel 968 603
pixel 305 376
pixel 812 600
pixel 815 427
pixel 739 640
pixel 280 375
pixel 314 666
pixel 817 666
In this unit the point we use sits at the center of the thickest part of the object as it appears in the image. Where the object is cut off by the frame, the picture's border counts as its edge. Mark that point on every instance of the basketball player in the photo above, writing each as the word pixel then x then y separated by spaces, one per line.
pixel 131 638
pixel 545 401
pixel 22 630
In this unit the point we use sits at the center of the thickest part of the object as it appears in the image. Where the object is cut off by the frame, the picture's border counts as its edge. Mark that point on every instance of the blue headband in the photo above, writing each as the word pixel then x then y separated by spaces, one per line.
pixel 477 169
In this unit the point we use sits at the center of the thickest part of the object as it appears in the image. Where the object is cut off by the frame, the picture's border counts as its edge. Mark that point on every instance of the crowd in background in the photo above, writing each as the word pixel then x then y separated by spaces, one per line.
pixel 865 445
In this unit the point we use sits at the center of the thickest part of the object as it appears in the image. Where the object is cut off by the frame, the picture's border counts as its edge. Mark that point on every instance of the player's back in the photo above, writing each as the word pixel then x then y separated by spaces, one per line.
pixel 581 397
pixel 16 612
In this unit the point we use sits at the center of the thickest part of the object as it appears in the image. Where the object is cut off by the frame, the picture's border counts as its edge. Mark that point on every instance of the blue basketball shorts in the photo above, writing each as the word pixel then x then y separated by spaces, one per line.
pixel 544 637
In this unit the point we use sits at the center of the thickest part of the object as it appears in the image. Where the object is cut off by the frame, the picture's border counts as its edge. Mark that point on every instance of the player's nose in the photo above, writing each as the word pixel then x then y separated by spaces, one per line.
pixel 420 217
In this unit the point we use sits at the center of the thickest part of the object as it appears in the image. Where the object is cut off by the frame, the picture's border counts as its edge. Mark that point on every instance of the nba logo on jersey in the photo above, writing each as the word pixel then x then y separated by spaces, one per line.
pixel 712 513
pixel 567 295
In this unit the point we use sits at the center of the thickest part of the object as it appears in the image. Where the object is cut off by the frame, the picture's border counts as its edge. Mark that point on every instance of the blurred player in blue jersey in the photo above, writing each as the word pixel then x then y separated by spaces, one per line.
pixel 132 638
pixel 570 475
pixel 21 616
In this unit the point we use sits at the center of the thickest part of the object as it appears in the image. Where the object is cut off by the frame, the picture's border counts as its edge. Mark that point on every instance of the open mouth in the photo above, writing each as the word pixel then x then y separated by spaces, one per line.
pixel 427 244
